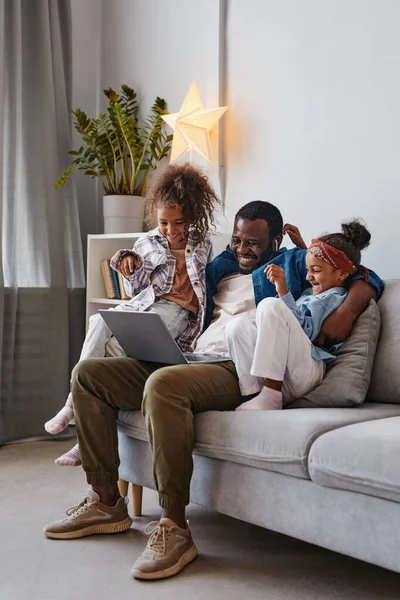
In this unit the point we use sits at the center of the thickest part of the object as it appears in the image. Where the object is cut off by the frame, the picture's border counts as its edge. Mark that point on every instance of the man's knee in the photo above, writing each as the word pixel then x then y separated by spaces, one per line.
pixel 162 387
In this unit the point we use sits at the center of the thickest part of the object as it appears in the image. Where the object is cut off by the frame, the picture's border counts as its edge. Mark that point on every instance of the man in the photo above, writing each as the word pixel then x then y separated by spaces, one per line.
pixel 169 396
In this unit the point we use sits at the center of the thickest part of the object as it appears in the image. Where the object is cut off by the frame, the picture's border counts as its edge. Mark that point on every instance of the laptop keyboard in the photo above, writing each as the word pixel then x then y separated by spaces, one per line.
pixel 194 357
pixel 202 358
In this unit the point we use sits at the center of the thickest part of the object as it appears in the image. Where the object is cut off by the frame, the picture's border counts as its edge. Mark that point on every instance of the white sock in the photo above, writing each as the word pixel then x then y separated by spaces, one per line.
pixel 62 418
pixel 72 458
pixel 267 399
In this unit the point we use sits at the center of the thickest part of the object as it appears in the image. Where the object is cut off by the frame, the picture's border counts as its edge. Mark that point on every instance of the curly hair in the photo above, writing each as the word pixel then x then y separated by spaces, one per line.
pixel 187 188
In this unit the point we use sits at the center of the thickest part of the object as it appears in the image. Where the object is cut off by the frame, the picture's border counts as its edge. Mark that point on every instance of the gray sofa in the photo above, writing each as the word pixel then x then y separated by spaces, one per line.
pixel 329 476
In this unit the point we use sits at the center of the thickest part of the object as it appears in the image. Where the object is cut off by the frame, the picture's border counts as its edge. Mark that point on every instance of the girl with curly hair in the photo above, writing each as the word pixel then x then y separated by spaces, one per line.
pixel 163 273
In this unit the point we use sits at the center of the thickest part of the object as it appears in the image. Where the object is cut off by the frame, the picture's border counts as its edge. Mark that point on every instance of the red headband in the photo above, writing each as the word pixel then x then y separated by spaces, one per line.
pixel 334 257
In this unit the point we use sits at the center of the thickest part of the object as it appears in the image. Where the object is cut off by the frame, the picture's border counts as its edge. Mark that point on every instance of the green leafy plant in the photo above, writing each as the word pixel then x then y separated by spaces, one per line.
pixel 116 149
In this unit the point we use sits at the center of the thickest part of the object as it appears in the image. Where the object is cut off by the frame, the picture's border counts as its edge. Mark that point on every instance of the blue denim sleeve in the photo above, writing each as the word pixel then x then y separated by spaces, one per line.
pixel 374 280
pixel 309 321
pixel 312 313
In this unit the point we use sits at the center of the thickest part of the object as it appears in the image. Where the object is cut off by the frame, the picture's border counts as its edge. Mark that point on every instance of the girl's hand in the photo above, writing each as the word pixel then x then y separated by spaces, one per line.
pixel 276 275
pixel 127 265
pixel 295 235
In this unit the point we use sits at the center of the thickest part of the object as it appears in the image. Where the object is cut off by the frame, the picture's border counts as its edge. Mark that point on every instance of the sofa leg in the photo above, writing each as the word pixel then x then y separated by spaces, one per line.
pixel 123 487
pixel 137 495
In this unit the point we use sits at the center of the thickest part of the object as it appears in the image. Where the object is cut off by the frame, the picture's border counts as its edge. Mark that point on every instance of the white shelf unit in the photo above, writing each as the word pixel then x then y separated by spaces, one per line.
pixel 99 247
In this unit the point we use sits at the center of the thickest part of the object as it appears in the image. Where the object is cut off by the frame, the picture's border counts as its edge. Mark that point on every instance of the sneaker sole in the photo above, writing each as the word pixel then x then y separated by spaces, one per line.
pixel 99 529
pixel 185 559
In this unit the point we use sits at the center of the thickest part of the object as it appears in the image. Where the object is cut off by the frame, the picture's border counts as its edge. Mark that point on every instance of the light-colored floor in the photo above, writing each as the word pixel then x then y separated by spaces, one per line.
pixel 237 560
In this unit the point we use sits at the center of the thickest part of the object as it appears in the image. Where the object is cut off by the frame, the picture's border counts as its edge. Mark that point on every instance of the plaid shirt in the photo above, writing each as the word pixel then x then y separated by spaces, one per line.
pixel 155 277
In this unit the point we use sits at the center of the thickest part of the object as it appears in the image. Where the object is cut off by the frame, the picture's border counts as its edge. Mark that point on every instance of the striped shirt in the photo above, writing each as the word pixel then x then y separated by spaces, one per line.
pixel 154 278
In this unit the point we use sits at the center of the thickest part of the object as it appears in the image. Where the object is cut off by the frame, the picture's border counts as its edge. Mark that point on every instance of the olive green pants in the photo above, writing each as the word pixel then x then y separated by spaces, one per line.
pixel 168 397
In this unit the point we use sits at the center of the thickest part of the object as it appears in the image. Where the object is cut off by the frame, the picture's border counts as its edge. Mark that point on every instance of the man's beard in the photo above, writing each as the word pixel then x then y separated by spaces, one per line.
pixel 243 270
pixel 260 261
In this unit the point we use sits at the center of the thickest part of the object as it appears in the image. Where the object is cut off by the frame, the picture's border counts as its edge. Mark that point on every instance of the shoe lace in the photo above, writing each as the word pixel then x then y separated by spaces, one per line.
pixel 79 509
pixel 159 536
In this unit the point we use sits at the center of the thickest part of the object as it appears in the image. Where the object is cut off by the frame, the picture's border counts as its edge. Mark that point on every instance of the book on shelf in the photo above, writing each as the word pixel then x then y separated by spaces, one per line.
pixel 124 295
pixel 113 282
pixel 116 283
pixel 108 279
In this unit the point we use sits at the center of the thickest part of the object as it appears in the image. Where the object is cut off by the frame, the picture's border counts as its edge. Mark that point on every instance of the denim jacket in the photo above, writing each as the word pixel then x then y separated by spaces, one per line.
pixel 292 261
pixel 311 311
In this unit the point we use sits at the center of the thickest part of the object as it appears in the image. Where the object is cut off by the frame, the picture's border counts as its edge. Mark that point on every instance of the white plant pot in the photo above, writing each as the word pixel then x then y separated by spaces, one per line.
pixel 123 213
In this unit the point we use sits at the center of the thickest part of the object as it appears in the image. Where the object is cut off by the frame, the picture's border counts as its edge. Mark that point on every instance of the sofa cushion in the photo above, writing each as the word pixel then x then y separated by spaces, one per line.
pixel 385 380
pixel 272 440
pixel 363 458
pixel 347 379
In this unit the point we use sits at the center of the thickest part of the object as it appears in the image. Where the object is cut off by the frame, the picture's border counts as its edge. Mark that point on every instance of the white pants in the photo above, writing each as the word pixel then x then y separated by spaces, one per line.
pixel 100 342
pixel 274 347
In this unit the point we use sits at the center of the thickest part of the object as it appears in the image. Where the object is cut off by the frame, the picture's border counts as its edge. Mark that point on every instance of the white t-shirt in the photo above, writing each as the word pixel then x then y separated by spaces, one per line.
pixel 235 296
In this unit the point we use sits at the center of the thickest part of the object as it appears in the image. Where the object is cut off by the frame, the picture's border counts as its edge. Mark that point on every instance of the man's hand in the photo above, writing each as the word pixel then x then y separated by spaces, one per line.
pixel 337 327
pixel 276 275
pixel 128 264
pixel 295 235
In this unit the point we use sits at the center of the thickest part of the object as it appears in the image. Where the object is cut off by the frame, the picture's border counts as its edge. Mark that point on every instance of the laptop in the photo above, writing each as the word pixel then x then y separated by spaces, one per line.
pixel 144 336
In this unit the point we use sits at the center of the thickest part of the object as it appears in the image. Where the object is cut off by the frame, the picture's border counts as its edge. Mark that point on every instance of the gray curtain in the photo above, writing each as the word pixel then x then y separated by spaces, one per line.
pixel 41 269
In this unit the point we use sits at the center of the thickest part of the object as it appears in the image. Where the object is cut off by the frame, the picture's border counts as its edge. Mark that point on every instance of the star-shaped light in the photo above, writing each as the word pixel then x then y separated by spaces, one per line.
pixel 192 125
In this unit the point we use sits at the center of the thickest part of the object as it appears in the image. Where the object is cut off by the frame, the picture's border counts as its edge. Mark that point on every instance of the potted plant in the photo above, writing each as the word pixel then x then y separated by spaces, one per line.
pixel 121 154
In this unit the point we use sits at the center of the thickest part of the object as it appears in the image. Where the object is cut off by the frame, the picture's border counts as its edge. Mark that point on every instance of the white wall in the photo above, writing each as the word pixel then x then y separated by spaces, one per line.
pixel 313 94
pixel 159 46
pixel 313 123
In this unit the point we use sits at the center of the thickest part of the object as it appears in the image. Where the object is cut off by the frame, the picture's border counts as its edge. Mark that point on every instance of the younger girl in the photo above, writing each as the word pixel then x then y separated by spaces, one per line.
pixel 276 354
pixel 164 273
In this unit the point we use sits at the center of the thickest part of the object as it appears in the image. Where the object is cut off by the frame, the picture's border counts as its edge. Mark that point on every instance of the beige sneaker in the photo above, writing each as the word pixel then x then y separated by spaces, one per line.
pixel 168 551
pixel 91 517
